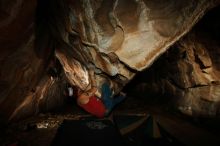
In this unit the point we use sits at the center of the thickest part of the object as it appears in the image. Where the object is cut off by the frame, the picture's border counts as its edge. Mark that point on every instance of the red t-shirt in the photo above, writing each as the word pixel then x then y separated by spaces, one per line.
pixel 95 107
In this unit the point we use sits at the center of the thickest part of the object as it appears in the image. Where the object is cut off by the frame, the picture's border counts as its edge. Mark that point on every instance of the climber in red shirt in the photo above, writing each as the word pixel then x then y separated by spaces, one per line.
pixel 99 107
pixel 91 103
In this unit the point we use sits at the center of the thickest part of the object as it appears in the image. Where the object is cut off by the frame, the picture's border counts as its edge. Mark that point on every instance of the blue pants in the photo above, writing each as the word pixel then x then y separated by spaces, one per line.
pixel 109 101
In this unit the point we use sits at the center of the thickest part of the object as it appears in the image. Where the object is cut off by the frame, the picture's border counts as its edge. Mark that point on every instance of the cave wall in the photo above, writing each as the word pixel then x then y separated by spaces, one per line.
pixel 24 83
pixel 18 73
pixel 188 74
pixel 194 77
pixel 199 71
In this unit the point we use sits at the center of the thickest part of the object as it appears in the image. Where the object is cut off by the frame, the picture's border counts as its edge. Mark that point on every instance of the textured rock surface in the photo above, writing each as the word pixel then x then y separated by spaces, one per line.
pixel 18 72
pixel 189 71
pixel 23 81
pixel 136 31
pixel 199 75
pixel 195 77
pixel 121 37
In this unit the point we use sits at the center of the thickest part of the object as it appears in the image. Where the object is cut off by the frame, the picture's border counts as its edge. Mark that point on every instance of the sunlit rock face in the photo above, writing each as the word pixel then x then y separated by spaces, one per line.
pixel 115 38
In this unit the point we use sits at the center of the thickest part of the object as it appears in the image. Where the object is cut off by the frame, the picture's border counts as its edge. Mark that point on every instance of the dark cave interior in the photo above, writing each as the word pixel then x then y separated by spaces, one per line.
pixel 166 103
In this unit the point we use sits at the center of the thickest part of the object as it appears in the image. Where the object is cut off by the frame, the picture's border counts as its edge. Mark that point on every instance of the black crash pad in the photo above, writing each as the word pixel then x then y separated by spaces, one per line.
pixel 87 132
